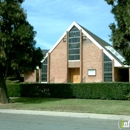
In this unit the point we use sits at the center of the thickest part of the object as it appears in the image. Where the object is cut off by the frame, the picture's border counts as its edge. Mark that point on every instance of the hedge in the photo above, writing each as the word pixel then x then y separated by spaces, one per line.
pixel 14 89
pixel 116 91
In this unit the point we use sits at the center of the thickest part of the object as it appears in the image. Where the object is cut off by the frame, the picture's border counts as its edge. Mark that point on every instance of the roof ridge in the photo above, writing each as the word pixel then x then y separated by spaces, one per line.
pixel 97 38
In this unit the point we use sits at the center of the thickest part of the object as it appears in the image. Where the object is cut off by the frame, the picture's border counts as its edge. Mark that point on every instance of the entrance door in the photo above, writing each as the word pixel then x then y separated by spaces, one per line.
pixel 121 74
pixel 75 75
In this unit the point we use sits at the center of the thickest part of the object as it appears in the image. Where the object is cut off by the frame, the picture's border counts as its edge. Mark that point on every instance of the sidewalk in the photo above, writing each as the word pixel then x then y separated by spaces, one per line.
pixel 66 114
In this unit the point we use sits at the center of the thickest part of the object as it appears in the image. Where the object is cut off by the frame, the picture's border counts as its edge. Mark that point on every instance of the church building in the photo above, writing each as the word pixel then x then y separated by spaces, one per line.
pixel 79 56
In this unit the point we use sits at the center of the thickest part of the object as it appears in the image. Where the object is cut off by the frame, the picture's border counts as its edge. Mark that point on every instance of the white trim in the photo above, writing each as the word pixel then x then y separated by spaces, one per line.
pixel 69 28
pixel 91 72
pixel 116 63
pixel 73 60
pixel 43 82
pixel 44 58
pixel 128 66
pixel 57 42
pixel 114 52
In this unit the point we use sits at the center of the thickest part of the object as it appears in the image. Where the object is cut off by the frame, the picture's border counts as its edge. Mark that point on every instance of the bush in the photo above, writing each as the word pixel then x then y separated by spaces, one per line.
pixel 102 90
pixel 116 91
pixel 13 90
pixel 46 90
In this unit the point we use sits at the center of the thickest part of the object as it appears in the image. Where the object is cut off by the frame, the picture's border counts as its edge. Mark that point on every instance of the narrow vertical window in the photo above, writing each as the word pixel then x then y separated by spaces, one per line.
pixel 107 69
pixel 74 44
pixel 44 71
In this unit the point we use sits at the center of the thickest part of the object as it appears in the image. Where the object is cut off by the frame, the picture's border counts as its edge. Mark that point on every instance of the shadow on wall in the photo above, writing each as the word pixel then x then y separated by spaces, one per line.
pixel 30 76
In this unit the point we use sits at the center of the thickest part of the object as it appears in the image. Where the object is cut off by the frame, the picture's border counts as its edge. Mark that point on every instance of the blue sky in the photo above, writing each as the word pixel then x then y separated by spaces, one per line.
pixel 50 19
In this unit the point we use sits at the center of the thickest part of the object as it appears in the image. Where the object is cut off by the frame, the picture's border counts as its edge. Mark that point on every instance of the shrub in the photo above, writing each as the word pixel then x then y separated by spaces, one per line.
pixel 13 90
pixel 116 91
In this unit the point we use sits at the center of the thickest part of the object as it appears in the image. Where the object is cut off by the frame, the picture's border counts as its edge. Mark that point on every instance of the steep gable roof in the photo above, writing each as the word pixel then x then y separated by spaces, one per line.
pixel 100 43
pixel 104 44
pixel 98 39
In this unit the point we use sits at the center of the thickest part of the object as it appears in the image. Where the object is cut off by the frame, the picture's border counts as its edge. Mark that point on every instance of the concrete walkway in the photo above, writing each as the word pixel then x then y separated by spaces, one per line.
pixel 66 114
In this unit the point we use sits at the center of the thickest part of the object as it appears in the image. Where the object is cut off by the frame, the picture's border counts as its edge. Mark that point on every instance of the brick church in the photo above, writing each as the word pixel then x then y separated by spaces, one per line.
pixel 80 56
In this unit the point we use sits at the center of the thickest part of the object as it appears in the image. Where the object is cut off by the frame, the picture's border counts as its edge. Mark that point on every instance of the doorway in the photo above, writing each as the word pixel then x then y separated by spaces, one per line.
pixel 121 74
pixel 74 75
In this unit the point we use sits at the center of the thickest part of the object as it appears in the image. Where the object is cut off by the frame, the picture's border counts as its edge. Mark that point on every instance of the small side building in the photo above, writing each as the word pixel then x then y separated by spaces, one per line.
pixel 34 76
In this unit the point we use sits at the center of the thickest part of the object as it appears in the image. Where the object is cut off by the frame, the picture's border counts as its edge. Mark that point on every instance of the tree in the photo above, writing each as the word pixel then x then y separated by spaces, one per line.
pixel 17 44
pixel 121 28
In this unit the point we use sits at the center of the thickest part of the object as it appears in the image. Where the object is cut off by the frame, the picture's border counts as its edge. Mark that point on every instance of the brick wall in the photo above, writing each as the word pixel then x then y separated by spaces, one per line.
pixel 74 64
pixel 92 59
pixel 58 63
pixel 30 76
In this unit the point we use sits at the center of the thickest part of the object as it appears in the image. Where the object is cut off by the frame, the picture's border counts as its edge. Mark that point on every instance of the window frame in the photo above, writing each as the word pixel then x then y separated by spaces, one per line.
pixel 74 44
pixel 91 73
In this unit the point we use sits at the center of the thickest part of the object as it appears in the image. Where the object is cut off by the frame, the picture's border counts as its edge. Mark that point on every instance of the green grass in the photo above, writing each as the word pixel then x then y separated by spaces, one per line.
pixel 11 80
pixel 70 105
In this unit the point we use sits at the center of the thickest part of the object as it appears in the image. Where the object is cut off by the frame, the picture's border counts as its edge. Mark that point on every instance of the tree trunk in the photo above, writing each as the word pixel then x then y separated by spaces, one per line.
pixel 18 75
pixel 4 98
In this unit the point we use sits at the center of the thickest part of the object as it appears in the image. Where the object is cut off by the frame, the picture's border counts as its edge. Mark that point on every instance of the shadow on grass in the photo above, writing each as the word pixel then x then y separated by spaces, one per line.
pixel 12 80
pixel 26 100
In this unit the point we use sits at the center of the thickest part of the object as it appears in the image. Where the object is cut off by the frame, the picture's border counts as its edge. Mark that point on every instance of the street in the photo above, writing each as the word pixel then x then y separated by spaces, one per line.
pixel 37 122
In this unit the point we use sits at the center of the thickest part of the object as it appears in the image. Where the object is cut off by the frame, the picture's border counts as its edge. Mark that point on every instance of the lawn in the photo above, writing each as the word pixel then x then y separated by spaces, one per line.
pixel 70 105
pixel 11 80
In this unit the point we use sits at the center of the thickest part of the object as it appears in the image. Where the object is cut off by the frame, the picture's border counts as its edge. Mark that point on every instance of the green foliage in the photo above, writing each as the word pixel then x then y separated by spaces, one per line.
pixel 101 90
pixel 128 96
pixel 46 90
pixel 121 28
pixel 13 90
pixel 17 44
pixel 12 80
pixel 116 91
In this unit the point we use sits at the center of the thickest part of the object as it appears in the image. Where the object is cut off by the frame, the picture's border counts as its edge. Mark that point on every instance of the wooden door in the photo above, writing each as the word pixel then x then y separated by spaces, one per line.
pixel 75 75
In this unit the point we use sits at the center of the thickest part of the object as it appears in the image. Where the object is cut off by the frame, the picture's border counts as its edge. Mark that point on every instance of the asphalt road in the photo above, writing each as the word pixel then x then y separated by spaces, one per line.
pixel 37 122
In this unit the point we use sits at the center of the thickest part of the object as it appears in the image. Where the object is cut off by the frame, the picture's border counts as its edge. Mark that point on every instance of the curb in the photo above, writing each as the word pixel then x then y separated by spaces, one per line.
pixel 66 114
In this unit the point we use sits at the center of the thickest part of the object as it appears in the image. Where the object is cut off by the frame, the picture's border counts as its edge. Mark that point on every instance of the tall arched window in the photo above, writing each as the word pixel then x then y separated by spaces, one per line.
pixel 74 44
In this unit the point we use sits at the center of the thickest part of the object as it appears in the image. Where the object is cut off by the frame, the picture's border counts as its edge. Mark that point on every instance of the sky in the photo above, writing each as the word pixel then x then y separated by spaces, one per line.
pixel 51 18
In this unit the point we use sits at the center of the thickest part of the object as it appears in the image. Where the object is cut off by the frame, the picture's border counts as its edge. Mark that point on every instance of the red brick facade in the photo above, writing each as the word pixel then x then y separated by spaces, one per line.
pixel 30 76
pixel 92 59
pixel 58 63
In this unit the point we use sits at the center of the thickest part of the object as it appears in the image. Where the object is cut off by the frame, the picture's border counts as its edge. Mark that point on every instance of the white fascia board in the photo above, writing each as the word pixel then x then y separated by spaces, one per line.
pixel 116 63
pixel 95 42
pixel 44 58
pixel 127 66
pixel 57 42
pixel 74 23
